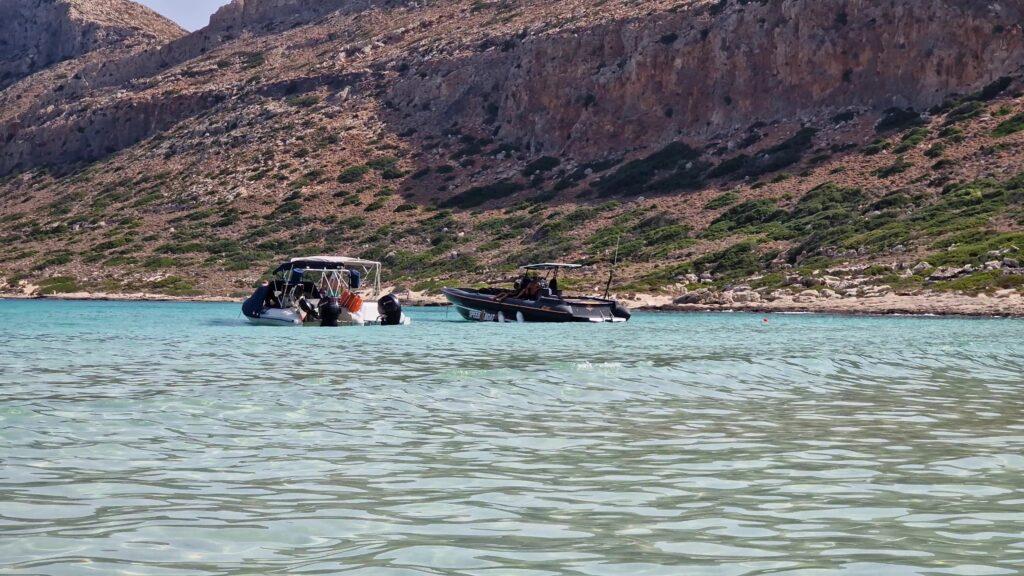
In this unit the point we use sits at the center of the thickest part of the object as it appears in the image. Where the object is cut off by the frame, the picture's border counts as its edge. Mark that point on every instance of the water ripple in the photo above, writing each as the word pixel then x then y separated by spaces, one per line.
pixel 675 444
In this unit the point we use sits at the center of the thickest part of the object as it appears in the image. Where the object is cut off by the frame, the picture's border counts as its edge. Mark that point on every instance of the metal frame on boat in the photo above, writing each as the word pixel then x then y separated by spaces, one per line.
pixel 548 305
pixel 324 290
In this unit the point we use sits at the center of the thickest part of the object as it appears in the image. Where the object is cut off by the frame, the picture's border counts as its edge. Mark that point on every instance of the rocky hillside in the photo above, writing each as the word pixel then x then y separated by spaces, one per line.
pixel 768 143
pixel 36 34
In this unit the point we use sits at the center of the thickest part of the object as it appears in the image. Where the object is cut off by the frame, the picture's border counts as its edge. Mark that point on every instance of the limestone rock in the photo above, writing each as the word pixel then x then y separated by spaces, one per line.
pixel 921 268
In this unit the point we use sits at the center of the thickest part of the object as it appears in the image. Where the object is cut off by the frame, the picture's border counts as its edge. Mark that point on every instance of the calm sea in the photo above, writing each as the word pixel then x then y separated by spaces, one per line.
pixel 174 439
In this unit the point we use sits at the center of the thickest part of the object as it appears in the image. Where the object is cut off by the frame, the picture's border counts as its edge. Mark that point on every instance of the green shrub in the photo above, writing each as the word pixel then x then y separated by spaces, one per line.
pixel 1011 126
pixel 479 195
pixel 174 286
pixel 636 176
pixel 877 147
pixel 911 140
pixel 899 166
pixel 353 174
pixel 58 260
pixel 936 150
pixel 252 60
pixel 392 173
pixel 738 260
pixel 965 111
pixel 722 200
pixel 59 285
pixel 898 119
pixel 158 262
pixel 746 215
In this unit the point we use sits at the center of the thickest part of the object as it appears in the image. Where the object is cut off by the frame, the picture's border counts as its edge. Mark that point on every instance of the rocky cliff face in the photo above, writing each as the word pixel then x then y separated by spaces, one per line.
pixel 261 16
pixel 589 88
pixel 709 71
pixel 35 34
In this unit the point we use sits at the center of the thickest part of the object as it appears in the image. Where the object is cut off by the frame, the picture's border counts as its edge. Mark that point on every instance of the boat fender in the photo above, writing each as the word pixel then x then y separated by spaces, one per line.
pixel 519 316
pixel 390 309
pixel 330 311
pixel 501 317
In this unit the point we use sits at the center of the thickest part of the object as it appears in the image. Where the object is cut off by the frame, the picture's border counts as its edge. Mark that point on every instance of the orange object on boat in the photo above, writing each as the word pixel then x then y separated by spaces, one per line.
pixel 351 302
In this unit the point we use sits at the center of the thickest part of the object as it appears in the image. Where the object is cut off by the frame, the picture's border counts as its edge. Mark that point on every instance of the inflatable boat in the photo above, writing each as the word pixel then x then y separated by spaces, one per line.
pixel 324 291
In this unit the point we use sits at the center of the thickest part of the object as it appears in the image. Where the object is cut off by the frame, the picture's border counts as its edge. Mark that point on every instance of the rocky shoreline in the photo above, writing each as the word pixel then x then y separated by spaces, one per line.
pixel 1004 303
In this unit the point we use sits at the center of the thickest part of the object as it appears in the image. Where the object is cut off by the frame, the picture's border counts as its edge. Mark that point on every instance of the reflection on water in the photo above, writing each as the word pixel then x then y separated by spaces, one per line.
pixel 174 439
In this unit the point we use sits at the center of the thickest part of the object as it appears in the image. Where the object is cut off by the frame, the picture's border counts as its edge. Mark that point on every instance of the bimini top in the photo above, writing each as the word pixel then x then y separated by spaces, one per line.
pixel 551 266
pixel 326 262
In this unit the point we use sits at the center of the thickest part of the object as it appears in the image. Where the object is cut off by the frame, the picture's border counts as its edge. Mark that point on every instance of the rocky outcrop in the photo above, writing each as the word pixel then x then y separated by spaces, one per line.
pixel 35 34
pixel 258 16
pixel 707 71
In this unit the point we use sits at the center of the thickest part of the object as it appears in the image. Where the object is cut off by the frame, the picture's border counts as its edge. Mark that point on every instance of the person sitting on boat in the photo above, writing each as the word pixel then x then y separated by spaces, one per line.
pixel 517 287
pixel 529 288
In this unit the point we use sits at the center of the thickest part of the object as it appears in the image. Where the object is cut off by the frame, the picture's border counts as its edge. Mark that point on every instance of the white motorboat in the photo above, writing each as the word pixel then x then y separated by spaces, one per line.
pixel 324 291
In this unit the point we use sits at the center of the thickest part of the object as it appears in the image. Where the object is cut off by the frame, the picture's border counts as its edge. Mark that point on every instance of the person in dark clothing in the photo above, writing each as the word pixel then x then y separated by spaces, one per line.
pixel 523 288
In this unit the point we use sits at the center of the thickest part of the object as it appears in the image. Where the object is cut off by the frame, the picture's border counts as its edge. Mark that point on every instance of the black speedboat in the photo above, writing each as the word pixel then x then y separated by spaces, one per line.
pixel 534 299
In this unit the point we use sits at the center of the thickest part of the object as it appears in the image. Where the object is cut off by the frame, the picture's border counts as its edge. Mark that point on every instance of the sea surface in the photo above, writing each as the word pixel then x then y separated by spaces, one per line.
pixel 174 439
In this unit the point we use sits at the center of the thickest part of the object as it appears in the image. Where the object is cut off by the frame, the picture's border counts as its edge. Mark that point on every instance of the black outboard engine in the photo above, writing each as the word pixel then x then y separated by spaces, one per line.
pixel 390 310
pixel 330 311
pixel 620 311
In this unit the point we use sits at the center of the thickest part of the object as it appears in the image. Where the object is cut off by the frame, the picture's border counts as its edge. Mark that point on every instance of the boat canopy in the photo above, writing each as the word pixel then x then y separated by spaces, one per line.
pixel 552 266
pixel 326 263
pixel 335 265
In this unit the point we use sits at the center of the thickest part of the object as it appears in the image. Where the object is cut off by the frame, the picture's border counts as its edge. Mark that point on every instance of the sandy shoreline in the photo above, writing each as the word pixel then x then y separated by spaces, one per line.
pixel 928 304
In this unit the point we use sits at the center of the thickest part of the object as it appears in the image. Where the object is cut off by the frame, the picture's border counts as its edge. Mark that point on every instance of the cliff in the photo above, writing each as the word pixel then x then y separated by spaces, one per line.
pixel 35 34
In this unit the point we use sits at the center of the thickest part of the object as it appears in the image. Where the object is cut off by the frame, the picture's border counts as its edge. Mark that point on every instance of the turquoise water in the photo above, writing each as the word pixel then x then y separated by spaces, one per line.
pixel 152 438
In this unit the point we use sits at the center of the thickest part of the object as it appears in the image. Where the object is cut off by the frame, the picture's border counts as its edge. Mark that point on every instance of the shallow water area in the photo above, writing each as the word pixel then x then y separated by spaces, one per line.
pixel 172 438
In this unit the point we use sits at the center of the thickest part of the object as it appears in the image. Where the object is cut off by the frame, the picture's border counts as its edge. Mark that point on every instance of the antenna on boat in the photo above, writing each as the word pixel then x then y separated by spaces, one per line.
pixel 615 263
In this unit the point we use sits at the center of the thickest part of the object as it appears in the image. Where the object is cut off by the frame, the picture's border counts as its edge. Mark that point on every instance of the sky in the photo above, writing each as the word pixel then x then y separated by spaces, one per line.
pixel 190 14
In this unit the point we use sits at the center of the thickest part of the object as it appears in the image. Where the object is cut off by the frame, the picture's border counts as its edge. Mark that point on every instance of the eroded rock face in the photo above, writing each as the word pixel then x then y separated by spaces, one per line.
pixel 584 91
pixel 35 34
pixel 702 72
pixel 265 15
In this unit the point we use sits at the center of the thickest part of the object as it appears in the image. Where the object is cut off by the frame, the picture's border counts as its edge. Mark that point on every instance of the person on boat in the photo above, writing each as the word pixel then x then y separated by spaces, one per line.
pixel 271 300
pixel 529 288
pixel 330 286
pixel 517 286
pixel 553 284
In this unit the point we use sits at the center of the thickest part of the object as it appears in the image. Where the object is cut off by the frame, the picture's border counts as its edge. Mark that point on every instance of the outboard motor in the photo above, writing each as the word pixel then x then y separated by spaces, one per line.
pixel 330 311
pixel 390 310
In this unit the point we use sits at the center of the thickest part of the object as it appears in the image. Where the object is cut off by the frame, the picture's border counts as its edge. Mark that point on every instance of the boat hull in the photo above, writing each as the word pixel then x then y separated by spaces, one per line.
pixel 479 306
